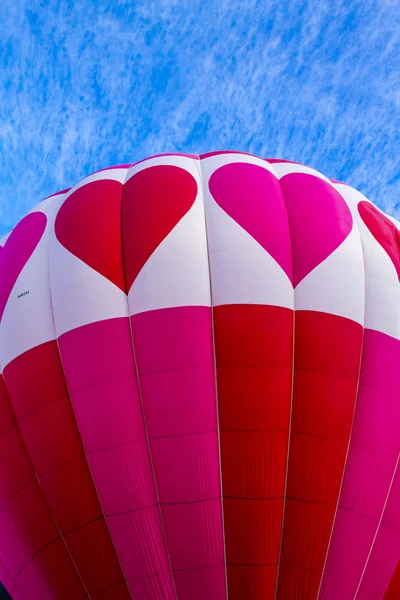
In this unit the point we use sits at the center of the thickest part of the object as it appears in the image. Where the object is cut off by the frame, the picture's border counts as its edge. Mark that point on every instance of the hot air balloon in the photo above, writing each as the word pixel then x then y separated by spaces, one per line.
pixel 200 396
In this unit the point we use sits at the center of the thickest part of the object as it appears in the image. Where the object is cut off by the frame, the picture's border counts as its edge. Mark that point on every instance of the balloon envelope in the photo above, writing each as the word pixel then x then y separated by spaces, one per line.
pixel 200 395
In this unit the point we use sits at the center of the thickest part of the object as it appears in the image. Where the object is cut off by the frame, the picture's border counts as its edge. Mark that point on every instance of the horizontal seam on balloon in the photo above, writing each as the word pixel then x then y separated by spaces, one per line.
pixel 365 585
pixel 134 442
pixel 65 533
pixel 262 498
pixel 202 501
pixel 86 387
pixel 332 375
pixel 233 564
pixel 195 367
pixel 9 429
pixel 126 579
pixel 200 568
pixel 140 508
pixel 190 368
pixel 179 435
pixel 314 502
pixel 18 492
pixel 114 446
pixel 254 365
pixel 309 570
pixel 156 574
pixel 132 510
pixel 108 587
pixel 106 448
pixel 130 443
pixel 355 512
pixel 41 407
pixel 59 537
pixel 389 527
pixel 319 437
pixel 277 431
pixel 70 460
pixel 376 448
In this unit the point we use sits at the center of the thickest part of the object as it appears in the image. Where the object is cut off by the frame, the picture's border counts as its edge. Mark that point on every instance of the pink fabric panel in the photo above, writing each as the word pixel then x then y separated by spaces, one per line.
pixel 385 553
pixel 370 465
pixel 174 353
pixel 100 371
pixel 6 578
pixel 17 250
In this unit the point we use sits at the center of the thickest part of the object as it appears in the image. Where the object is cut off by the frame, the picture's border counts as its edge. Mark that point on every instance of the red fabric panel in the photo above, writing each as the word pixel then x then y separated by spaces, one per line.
pixel 38 392
pixel 327 362
pixel 393 590
pixel 254 351
pixel 54 570
pixel 118 591
pixel 94 555
pixel 27 528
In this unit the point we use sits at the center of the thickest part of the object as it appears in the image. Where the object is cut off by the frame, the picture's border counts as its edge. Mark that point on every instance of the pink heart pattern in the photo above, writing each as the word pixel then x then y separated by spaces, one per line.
pixel 319 218
pixel 17 250
pixel 301 212
pixel 252 197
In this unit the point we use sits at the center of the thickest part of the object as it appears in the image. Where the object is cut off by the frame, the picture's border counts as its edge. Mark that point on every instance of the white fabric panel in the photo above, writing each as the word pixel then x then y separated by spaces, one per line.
pixel 382 310
pixel 336 286
pixel 81 295
pixel 177 272
pixel 242 270
pixel 28 317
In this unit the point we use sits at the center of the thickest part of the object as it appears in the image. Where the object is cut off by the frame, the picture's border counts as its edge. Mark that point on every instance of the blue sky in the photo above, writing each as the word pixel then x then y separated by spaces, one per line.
pixel 86 84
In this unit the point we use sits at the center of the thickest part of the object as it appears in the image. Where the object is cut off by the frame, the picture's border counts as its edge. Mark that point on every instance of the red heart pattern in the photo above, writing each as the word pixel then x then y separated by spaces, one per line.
pixel 384 231
pixel 154 201
pixel 88 224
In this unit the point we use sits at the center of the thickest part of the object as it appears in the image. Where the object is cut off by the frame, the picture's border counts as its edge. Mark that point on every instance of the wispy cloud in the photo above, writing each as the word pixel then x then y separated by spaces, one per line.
pixel 90 83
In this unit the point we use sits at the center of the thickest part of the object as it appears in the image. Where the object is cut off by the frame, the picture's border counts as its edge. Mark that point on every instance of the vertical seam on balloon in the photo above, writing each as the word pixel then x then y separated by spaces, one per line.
pixel 45 500
pixel 388 493
pixel 45 240
pixel 76 421
pixel 59 354
pixel 377 528
pixel 142 408
pixel 199 169
pixel 291 392
pixel 355 225
pixel 16 426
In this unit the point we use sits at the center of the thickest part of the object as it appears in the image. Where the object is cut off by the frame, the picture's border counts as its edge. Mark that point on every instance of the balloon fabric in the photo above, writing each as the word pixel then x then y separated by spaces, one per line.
pixel 199 397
